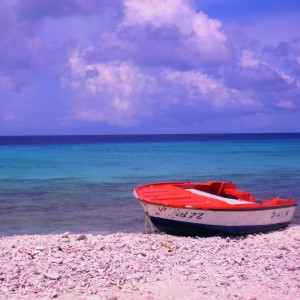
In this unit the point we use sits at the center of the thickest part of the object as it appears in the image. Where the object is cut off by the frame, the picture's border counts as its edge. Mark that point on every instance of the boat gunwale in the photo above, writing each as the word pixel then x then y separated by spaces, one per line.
pixel 220 209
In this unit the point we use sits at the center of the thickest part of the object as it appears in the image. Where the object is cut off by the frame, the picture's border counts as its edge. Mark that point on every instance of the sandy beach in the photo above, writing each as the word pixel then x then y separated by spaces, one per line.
pixel 151 266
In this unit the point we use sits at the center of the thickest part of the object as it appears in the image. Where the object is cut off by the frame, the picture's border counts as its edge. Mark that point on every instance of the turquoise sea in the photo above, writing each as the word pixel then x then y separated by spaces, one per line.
pixel 84 184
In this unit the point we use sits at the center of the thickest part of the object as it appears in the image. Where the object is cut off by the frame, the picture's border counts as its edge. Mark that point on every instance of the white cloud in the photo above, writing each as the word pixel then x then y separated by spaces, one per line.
pixel 112 92
pixel 200 88
pixel 286 104
pixel 247 60
pixel 121 93
pixel 201 34
pixel 154 64
pixel 158 13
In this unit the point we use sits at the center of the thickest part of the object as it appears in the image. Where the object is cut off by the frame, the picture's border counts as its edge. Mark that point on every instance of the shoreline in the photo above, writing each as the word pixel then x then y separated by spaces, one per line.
pixel 151 266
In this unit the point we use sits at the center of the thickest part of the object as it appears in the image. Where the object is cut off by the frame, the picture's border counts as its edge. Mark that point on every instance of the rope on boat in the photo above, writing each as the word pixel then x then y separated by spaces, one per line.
pixel 162 243
pixel 147 218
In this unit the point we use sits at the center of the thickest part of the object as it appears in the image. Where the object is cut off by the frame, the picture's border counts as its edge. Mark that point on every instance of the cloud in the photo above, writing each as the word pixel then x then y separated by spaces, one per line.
pixel 136 66
pixel 201 89
pixel 248 61
pixel 163 33
pixel 18 43
pixel 114 92
pixel 121 93
pixel 39 9
pixel 278 51
pixel 295 63
pixel 194 97
pixel 260 76
pixel 133 69
pixel 286 104
pixel 154 62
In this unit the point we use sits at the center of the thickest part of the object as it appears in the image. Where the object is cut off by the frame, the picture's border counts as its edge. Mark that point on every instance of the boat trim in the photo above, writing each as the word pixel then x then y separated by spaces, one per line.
pixel 217 209
pixel 179 226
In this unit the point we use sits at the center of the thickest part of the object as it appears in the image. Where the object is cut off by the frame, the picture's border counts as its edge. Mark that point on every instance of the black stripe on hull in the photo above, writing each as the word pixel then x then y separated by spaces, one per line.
pixel 192 229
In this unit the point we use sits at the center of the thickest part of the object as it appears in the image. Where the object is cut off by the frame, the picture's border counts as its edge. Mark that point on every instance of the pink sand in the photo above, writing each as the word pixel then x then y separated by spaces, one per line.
pixel 141 266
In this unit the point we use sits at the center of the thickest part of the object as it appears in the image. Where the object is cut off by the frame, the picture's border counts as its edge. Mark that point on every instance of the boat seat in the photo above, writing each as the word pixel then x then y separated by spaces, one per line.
pixel 241 195
pixel 231 201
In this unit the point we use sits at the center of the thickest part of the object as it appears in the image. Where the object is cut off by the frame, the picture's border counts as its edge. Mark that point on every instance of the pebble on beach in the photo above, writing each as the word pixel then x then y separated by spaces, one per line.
pixel 151 266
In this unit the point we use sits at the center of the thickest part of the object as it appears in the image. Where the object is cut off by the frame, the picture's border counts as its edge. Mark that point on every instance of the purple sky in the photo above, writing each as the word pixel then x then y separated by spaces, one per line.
pixel 149 66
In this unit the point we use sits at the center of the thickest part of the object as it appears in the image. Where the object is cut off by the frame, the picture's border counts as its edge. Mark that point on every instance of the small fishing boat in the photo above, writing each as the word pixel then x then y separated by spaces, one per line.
pixel 190 208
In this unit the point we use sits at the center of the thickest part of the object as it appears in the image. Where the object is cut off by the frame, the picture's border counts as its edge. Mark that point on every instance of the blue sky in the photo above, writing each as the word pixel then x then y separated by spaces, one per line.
pixel 151 66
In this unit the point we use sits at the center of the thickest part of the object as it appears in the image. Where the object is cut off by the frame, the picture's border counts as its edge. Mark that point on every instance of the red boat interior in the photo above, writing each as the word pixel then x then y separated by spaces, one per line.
pixel 209 195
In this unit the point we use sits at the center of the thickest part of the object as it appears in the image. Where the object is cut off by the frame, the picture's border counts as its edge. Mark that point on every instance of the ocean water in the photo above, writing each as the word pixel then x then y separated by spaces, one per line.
pixel 84 184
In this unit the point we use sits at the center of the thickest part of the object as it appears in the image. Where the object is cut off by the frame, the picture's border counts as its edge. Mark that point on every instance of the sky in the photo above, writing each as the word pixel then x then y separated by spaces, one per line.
pixel 149 66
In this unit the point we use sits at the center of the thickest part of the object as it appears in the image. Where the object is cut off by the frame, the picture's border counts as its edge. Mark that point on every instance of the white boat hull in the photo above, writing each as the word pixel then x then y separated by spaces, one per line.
pixel 197 221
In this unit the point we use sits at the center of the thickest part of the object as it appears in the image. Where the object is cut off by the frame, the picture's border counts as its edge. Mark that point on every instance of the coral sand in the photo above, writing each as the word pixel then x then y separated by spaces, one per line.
pixel 151 266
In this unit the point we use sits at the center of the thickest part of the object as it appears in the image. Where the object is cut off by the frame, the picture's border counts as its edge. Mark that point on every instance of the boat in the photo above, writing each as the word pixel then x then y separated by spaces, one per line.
pixel 213 207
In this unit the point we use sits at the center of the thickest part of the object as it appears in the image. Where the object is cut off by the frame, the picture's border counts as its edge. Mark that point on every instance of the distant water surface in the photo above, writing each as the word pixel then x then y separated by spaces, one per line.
pixel 53 184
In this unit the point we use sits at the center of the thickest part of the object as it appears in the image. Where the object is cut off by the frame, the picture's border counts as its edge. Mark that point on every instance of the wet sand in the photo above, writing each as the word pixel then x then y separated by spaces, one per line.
pixel 151 266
